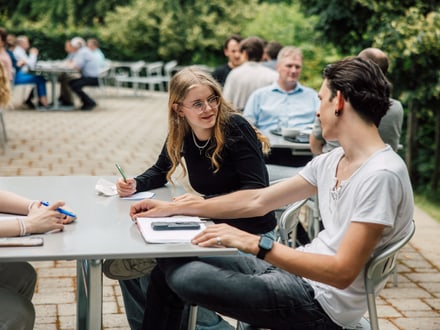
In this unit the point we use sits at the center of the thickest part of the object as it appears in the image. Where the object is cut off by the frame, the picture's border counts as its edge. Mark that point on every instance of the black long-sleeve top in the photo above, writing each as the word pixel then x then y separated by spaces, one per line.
pixel 242 167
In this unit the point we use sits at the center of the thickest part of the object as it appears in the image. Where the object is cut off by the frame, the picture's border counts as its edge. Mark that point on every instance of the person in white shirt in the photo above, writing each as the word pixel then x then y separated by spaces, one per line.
pixel 93 45
pixel 250 75
pixel 26 62
pixel 365 201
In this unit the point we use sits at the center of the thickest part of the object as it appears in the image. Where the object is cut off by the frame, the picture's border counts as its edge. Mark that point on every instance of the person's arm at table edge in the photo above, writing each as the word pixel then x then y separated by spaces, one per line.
pixel 14 204
pixel 240 204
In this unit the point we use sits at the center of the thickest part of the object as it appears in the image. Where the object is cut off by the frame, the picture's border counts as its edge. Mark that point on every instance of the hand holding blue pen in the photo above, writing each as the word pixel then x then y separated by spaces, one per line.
pixel 59 209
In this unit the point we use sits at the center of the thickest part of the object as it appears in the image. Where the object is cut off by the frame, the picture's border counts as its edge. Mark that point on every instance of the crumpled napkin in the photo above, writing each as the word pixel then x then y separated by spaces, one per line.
pixel 105 188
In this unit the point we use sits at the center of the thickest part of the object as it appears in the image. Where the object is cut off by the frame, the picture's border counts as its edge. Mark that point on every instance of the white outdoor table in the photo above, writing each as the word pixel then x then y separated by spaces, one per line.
pixel 53 70
pixel 278 141
pixel 103 230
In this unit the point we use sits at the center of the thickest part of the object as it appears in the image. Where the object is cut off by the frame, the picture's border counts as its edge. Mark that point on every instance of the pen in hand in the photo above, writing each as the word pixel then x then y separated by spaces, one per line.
pixel 122 172
pixel 59 209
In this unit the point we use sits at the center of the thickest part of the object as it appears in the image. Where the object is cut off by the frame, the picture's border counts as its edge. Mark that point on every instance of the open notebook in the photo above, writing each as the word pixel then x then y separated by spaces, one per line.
pixel 168 236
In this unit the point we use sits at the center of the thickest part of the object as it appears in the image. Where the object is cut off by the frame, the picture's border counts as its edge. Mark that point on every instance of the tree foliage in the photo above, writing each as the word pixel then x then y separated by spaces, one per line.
pixel 288 25
pixel 184 30
pixel 65 13
pixel 409 31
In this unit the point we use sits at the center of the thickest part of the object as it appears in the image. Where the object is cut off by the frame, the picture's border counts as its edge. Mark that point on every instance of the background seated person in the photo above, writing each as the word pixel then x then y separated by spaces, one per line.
pixel 26 62
pixel 250 75
pixel 271 50
pixel 93 45
pixel 285 100
pixel 366 202
pixel 71 48
pixel 89 65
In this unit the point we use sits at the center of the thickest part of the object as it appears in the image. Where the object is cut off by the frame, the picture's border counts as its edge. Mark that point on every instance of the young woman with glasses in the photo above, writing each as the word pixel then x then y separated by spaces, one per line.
pixel 219 151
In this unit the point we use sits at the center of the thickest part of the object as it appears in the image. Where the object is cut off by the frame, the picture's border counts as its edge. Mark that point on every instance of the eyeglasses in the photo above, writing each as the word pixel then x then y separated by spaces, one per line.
pixel 200 106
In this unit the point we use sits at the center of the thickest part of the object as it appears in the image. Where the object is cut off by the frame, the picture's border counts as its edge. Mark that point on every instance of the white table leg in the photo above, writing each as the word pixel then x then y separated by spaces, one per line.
pixel 89 294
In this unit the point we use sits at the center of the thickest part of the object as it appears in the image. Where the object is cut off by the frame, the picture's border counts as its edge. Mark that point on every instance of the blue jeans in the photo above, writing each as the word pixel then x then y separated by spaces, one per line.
pixel 241 287
pixel 134 293
pixel 22 78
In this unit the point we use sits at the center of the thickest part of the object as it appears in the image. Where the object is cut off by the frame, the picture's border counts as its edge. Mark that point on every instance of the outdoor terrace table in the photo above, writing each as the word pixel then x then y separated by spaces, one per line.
pixel 53 70
pixel 278 141
pixel 103 230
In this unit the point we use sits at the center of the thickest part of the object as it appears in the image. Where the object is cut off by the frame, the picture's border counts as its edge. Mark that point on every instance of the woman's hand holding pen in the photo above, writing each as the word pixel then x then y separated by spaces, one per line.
pixel 126 187
pixel 44 219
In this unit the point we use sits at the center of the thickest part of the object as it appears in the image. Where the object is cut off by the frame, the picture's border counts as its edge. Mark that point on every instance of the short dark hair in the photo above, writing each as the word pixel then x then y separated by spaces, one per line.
pixel 235 37
pixel 272 49
pixel 363 84
pixel 254 48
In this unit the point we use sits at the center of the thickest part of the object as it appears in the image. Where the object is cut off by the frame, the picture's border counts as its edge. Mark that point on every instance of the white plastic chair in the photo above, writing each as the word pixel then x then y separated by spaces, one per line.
pixel 104 74
pixel 156 77
pixel 378 269
pixel 135 69
pixel 287 223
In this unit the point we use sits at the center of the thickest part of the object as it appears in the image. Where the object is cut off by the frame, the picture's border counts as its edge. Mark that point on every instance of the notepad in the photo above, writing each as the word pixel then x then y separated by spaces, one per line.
pixel 168 236
pixel 140 195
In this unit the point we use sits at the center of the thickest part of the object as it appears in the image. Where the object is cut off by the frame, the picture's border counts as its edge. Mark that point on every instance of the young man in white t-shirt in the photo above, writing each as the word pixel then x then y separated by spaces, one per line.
pixel 365 200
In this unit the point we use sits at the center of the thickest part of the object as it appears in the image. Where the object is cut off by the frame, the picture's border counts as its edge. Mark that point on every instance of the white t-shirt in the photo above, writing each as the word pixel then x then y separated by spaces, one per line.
pixel 378 192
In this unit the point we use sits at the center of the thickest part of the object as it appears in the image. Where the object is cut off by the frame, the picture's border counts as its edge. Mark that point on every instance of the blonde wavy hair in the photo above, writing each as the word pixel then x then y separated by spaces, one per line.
pixel 5 90
pixel 179 86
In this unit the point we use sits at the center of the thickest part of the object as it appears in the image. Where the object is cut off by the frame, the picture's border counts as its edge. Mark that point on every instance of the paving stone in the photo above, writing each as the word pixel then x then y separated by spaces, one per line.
pixel 418 323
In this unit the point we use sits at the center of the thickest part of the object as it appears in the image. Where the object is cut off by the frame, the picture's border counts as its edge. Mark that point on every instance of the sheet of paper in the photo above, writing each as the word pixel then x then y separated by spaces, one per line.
pixel 140 195
pixel 168 236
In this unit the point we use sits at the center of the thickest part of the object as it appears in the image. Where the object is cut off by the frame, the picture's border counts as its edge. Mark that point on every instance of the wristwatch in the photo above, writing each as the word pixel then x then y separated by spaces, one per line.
pixel 265 244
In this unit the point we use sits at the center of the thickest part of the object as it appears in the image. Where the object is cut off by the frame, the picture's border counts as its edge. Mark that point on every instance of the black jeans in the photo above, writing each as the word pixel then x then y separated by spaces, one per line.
pixel 243 287
pixel 77 84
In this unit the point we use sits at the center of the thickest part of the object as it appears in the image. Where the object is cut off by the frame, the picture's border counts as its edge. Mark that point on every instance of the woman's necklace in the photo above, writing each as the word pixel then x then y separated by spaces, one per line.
pixel 199 146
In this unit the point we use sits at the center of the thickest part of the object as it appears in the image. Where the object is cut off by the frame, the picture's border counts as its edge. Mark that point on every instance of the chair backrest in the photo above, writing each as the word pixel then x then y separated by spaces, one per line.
pixel 377 271
pixel 288 221
pixel 169 67
pixel 154 68
pixel 136 68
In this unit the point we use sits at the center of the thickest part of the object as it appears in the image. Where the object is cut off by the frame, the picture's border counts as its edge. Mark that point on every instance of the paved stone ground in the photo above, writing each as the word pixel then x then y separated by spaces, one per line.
pixel 130 130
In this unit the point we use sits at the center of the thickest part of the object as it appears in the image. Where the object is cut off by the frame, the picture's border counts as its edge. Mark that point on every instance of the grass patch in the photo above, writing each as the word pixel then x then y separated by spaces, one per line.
pixel 430 207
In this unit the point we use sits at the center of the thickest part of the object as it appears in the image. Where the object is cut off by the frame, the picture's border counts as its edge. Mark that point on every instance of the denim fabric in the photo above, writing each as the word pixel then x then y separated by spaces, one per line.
pixel 241 287
pixel 22 78
pixel 134 293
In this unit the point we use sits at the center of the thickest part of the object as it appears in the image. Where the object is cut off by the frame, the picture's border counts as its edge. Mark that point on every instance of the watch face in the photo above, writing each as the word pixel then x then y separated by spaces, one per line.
pixel 265 246
pixel 266 243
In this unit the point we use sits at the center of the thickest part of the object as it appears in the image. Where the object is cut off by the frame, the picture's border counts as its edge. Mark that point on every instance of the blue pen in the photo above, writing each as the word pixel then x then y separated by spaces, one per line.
pixel 59 209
